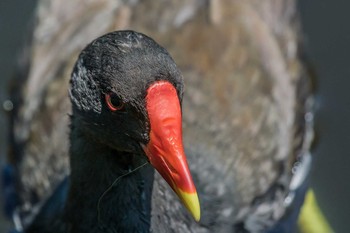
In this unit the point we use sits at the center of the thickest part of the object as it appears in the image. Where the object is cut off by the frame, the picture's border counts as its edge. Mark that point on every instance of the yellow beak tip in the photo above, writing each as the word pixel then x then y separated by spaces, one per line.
pixel 191 202
pixel 197 216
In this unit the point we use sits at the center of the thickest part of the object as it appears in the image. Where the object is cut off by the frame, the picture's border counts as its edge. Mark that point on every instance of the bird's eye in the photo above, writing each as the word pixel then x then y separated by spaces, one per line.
pixel 114 103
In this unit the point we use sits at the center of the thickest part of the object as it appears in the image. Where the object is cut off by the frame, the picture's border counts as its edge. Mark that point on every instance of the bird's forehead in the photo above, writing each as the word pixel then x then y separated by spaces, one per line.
pixel 130 74
pixel 127 63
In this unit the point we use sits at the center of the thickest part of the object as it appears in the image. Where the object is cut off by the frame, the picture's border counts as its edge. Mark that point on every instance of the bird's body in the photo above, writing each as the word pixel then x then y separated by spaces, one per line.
pixel 246 96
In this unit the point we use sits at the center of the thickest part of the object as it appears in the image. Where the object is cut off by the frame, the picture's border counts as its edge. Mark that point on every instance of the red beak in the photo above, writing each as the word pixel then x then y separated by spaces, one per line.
pixel 165 150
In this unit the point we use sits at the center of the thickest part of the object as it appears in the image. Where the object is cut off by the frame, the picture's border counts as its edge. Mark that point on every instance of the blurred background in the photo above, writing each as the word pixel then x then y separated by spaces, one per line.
pixel 326 37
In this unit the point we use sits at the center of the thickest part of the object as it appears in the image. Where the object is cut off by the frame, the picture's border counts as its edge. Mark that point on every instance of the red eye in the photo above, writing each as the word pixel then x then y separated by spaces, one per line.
pixel 114 103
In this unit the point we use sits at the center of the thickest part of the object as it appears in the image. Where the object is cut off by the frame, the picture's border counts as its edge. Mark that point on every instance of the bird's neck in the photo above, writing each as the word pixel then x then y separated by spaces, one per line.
pixel 107 192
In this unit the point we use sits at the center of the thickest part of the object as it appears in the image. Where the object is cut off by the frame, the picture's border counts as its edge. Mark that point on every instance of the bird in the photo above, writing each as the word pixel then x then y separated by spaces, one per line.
pixel 125 91
pixel 246 111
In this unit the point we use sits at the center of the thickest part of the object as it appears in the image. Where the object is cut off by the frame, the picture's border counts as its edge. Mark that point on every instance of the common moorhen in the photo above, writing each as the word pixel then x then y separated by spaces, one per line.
pixel 126 92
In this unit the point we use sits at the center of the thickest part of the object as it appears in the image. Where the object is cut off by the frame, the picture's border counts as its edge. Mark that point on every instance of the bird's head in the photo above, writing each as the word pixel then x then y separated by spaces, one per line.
pixel 127 92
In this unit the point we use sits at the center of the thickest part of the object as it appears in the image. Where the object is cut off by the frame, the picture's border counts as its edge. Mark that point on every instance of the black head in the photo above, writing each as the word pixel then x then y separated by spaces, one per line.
pixel 109 83
pixel 126 93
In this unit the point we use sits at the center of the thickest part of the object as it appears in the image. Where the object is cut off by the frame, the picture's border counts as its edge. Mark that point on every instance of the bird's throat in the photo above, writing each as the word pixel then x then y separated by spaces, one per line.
pixel 109 190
